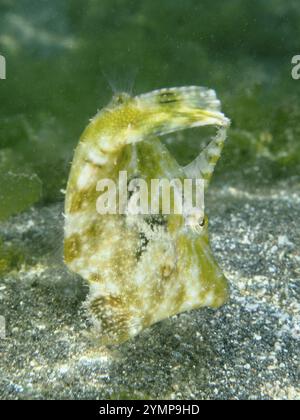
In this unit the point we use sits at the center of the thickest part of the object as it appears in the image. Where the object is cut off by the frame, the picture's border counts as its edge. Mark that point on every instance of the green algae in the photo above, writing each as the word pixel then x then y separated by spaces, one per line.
pixel 55 79
pixel 11 258
pixel 20 188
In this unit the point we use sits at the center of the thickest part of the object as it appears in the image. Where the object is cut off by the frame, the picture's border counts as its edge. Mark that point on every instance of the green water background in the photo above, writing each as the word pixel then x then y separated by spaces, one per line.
pixel 64 58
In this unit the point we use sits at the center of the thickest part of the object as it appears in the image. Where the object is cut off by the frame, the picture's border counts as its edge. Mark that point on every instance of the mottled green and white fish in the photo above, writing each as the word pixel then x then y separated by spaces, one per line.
pixel 142 269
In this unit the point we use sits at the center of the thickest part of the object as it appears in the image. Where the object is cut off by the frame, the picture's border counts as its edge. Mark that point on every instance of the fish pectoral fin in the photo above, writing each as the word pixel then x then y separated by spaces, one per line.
pixel 204 165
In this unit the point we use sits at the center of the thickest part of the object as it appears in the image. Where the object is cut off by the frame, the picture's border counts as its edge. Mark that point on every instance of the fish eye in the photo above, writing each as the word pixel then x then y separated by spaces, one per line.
pixel 202 222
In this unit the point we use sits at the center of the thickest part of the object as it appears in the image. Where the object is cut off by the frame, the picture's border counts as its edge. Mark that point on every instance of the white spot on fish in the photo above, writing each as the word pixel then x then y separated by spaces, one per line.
pixel 86 176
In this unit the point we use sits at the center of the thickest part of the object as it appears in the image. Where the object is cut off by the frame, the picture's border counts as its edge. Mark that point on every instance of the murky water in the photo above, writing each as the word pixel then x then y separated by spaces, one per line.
pixel 60 61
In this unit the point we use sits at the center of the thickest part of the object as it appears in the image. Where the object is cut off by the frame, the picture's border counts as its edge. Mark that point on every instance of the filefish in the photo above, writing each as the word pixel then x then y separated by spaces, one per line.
pixel 142 269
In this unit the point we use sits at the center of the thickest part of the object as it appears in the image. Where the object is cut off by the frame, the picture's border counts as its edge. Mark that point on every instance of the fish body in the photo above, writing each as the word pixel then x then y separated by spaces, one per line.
pixel 142 268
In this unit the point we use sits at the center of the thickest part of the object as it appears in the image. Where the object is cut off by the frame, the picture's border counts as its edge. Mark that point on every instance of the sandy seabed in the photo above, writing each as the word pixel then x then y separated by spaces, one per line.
pixel 249 349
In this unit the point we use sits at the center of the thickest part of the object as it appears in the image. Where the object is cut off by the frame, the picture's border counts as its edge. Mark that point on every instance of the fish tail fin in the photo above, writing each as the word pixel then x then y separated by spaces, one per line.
pixel 199 97
pixel 193 96
pixel 187 106
pixel 204 165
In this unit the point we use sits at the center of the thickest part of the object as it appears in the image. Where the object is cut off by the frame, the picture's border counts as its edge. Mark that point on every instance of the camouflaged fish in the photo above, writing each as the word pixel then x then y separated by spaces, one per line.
pixel 142 269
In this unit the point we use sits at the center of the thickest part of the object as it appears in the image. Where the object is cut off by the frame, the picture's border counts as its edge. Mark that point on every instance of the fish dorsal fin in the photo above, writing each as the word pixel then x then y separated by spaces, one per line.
pixel 204 165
